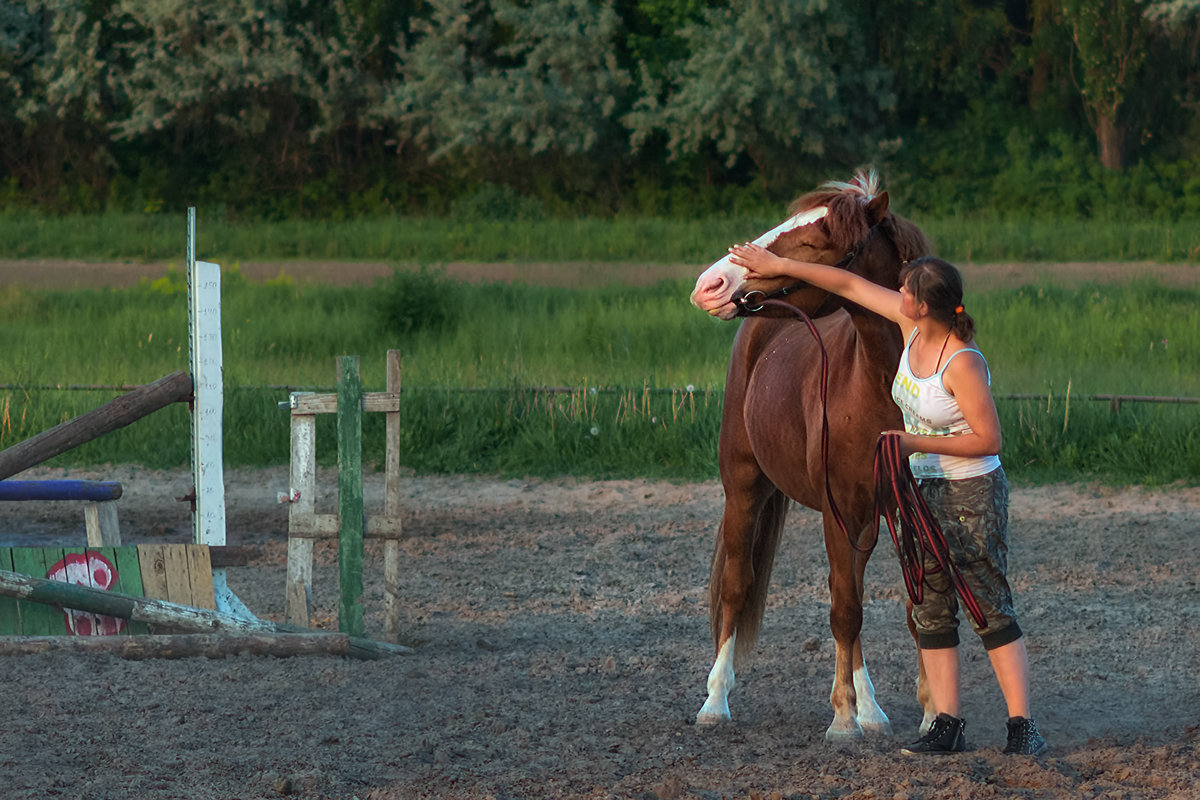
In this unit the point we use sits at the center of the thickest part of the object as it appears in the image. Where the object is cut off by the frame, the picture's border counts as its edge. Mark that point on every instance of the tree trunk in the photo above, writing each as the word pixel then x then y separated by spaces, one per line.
pixel 1110 141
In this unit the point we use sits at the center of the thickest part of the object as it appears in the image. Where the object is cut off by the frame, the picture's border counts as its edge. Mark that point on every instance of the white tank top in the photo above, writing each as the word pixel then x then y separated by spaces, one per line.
pixel 929 410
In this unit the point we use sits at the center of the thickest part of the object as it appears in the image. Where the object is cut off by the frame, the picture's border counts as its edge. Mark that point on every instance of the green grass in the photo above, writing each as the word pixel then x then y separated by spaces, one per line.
pixel 641 373
pixel 159 237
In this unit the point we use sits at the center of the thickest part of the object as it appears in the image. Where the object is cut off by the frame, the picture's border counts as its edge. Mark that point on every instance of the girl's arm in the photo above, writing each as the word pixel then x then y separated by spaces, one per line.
pixel 967 380
pixel 761 263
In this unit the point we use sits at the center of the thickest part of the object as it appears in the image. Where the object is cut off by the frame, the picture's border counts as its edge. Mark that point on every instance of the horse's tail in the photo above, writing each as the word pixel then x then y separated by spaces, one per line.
pixel 768 528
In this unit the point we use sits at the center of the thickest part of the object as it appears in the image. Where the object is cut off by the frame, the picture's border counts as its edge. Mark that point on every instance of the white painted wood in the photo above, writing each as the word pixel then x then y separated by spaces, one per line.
pixel 208 471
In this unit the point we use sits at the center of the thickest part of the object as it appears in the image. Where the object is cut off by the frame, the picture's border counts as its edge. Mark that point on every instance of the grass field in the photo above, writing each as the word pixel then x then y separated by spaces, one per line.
pixel 160 237
pixel 640 373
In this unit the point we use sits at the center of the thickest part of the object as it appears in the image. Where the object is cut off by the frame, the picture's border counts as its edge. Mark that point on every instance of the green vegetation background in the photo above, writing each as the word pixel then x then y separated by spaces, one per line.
pixel 637 373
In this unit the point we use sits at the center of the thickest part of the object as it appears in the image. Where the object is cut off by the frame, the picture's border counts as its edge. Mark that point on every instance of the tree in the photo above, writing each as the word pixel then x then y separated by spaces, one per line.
pixel 776 81
pixel 1111 41
pixel 498 75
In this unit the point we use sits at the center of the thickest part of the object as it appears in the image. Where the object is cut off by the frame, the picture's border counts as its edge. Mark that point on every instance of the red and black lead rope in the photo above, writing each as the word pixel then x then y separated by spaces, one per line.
pixel 917 535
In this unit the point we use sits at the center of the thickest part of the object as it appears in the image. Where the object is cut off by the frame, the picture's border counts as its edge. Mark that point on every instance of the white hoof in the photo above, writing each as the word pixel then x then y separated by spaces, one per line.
pixel 877 728
pixel 844 732
pixel 707 719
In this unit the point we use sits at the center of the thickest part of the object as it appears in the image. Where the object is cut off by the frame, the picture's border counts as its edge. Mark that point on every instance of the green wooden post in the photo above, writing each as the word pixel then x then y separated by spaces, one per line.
pixel 10 620
pixel 350 496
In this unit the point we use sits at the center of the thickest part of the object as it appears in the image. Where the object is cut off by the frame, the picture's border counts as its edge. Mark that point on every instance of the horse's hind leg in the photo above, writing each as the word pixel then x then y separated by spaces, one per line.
pixel 853 694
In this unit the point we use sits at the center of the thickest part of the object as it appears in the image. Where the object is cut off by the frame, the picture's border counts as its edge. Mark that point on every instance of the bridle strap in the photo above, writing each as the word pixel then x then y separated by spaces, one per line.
pixel 743 303
pixel 824 386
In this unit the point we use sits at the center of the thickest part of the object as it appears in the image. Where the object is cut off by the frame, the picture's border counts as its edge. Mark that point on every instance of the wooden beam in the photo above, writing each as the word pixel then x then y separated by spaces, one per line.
pixel 160 612
pixel 122 411
pixel 327 403
pixel 183 645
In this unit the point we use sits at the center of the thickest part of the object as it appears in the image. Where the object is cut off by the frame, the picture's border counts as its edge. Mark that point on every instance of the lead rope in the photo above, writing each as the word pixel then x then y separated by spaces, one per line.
pixel 919 533
pixel 833 508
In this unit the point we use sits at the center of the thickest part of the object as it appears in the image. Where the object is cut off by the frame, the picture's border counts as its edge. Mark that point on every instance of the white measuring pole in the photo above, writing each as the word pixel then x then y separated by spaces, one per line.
pixel 208 410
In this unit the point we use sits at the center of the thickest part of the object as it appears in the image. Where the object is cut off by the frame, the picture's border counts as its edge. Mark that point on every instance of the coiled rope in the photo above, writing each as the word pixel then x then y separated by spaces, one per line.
pixel 915 531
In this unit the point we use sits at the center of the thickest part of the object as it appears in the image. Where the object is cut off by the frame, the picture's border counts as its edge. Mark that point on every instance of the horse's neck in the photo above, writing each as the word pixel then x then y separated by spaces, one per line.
pixel 877 339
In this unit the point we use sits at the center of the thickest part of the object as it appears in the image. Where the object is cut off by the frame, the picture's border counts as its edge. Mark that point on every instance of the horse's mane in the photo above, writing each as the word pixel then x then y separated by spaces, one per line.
pixel 846 220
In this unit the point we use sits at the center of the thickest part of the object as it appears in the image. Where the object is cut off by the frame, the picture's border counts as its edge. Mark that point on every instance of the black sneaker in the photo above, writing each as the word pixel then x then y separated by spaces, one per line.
pixel 1024 738
pixel 945 736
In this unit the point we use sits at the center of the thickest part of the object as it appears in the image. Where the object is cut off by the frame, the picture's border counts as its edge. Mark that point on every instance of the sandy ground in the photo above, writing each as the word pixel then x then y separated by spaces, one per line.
pixel 561 651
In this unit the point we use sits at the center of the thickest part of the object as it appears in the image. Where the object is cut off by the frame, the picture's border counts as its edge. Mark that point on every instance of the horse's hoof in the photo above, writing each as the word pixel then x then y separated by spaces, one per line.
pixel 846 733
pixel 883 728
pixel 704 720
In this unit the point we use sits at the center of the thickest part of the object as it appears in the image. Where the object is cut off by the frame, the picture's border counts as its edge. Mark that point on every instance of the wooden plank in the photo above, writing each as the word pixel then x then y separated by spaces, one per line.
pixel 10 619
pixel 200 576
pixel 37 619
pixel 350 497
pixel 152 562
pixel 100 520
pixel 303 486
pixel 179 579
pixel 128 579
pixel 328 403
pixel 391 505
pixel 298 591
pixel 327 526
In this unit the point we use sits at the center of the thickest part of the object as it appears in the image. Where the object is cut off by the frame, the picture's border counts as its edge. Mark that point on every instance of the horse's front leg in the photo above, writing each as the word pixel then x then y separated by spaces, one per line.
pixel 870 716
pixel 741 570
pixel 729 582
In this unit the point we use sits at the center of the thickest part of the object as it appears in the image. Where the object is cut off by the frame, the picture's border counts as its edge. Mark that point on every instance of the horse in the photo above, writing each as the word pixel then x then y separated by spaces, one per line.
pixel 770 448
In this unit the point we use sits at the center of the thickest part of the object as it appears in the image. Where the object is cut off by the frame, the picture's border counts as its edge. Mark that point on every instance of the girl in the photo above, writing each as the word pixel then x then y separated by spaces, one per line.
pixel 952 438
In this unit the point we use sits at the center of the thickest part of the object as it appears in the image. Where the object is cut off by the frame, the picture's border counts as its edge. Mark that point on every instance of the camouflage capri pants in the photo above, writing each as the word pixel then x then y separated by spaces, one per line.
pixel 973 513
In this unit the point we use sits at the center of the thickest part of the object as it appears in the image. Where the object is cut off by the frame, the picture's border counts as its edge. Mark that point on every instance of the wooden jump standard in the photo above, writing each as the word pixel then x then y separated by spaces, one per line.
pixel 349 525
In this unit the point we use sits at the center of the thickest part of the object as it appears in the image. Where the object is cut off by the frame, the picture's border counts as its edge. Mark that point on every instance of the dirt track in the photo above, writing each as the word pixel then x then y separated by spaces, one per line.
pixel 562 650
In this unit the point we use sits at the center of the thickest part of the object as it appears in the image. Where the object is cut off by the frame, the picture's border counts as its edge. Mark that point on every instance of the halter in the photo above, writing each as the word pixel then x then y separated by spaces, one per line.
pixel 743 302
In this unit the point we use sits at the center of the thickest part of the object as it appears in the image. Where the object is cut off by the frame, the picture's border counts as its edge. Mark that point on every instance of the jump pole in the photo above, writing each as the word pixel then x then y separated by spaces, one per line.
pixel 208 408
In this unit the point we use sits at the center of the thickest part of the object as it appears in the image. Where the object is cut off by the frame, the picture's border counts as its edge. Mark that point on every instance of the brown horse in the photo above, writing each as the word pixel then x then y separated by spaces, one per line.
pixel 770 445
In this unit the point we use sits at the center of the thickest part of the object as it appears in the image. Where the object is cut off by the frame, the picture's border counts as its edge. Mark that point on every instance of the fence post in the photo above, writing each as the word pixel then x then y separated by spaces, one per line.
pixel 350 496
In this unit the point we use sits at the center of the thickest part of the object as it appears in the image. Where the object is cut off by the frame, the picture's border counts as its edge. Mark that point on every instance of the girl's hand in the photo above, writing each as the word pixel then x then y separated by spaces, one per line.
pixel 756 260
pixel 908 441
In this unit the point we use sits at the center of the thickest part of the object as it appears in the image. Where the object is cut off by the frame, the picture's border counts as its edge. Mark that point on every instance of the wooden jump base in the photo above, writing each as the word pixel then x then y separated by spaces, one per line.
pixel 188 645
pixel 178 573
pixel 349 525
pixel 99 503
pixel 173 616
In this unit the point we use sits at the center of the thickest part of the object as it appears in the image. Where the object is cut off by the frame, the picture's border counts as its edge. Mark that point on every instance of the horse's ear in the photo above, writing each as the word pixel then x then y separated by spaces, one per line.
pixel 877 208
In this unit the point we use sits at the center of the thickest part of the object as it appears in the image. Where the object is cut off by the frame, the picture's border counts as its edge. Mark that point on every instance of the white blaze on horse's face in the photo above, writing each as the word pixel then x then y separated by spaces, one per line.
pixel 717 285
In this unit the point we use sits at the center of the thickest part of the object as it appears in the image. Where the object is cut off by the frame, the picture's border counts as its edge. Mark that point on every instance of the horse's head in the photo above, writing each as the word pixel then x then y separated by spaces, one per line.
pixel 841 224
